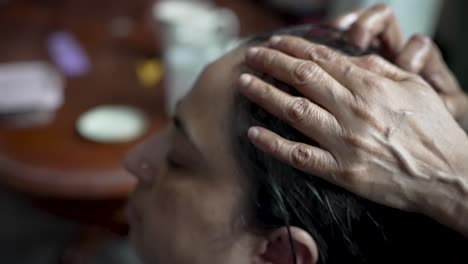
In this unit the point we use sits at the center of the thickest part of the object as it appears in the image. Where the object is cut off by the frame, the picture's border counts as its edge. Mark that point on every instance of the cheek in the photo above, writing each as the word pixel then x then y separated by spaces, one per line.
pixel 190 209
pixel 188 221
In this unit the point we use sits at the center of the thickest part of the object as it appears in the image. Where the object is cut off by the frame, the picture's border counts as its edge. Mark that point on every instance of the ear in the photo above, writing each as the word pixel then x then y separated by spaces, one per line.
pixel 276 249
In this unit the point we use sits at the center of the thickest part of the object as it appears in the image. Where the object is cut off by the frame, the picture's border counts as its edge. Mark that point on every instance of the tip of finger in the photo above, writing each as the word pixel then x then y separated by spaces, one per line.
pixel 253 133
pixel 274 41
pixel 245 79
pixel 345 22
pixel 252 52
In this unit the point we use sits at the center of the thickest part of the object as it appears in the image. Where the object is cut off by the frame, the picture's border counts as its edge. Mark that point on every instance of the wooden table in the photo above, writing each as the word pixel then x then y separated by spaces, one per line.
pixel 63 172
pixel 54 161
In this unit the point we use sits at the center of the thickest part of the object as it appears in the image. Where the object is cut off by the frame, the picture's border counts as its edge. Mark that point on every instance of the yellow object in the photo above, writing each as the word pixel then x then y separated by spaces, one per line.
pixel 150 72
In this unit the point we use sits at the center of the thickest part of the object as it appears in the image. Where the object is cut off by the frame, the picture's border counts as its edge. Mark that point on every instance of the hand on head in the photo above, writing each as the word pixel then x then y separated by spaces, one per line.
pixel 377 26
pixel 382 132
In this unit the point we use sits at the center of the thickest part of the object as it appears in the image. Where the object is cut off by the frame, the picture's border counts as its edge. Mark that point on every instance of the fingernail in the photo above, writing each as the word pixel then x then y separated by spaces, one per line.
pixel 252 52
pixel 275 40
pixel 253 132
pixel 245 79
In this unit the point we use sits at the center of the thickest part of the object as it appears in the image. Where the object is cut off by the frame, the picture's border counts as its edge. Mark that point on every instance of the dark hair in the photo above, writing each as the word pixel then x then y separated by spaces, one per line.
pixel 347 228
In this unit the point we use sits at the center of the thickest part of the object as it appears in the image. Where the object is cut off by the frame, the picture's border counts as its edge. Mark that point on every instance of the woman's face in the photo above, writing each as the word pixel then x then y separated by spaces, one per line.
pixel 187 206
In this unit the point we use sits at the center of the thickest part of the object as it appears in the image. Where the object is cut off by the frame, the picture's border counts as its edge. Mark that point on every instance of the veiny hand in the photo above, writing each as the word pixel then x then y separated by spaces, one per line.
pixel 378 26
pixel 383 133
pixel 421 56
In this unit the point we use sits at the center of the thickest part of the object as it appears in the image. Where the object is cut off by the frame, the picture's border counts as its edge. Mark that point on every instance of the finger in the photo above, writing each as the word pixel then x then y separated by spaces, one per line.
pixel 377 21
pixel 307 117
pixel 306 76
pixel 456 104
pixel 380 66
pixel 304 157
pixel 422 56
pixel 438 74
pixel 345 21
pixel 338 66
pixel 414 56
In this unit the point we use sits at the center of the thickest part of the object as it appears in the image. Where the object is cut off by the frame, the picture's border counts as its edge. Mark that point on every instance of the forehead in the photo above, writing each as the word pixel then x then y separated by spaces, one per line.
pixel 207 109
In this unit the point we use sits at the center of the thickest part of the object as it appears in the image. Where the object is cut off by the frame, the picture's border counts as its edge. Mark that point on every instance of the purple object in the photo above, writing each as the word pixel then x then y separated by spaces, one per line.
pixel 67 54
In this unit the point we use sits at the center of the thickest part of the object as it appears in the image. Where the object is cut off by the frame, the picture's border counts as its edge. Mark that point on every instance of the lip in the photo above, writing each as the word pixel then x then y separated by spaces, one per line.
pixel 131 214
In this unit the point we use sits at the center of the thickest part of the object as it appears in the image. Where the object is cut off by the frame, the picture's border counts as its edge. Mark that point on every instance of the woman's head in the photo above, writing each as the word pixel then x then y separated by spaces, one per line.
pixel 206 195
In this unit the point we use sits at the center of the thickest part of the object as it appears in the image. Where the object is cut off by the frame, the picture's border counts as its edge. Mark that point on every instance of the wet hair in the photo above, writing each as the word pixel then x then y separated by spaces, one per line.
pixel 347 228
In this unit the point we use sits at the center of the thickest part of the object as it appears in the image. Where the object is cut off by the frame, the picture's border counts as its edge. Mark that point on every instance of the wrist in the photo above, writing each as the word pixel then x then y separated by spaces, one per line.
pixel 463 118
pixel 463 121
pixel 446 196
pixel 449 206
pixel 457 217
pixel 461 217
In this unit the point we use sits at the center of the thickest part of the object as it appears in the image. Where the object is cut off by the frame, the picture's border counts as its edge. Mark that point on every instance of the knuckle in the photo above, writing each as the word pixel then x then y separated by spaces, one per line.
pixel 299 109
pixel 450 104
pixel 351 176
pixel 426 44
pixel 340 22
pixel 303 72
pixel 360 109
pixel 369 113
pixel 263 89
pixel 275 146
pixel 321 53
pixel 270 58
pixel 373 60
pixel 382 8
pixel 415 78
pixel 355 141
pixel 301 156
pixel 406 63
pixel 360 28
pixel 372 82
pixel 420 40
pixel 348 71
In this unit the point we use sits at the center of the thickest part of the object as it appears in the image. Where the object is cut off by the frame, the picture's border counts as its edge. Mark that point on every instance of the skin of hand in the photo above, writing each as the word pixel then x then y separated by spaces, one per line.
pixel 393 142
pixel 378 25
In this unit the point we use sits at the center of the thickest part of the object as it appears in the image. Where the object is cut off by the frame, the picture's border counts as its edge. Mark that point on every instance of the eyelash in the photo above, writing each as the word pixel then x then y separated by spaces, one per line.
pixel 173 164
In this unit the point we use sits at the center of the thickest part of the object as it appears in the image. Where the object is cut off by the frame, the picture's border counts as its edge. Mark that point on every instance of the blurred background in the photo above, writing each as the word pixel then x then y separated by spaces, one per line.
pixel 82 81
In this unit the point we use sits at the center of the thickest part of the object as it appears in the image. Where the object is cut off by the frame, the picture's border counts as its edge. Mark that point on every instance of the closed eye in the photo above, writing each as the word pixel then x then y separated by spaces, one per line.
pixel 172 163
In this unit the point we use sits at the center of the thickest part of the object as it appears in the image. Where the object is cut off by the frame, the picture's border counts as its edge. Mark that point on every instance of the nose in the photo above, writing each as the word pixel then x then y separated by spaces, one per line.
pixel 145 161
pixel 136 164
